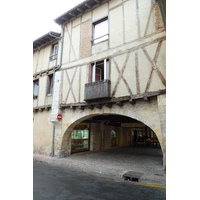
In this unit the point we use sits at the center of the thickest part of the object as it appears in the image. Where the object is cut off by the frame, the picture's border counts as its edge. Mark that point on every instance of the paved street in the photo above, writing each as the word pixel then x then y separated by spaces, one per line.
pixel 115 162
pixel 58 183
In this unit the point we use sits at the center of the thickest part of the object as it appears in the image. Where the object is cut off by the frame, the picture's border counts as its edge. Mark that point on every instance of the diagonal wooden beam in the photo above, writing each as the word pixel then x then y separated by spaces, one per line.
pixel 70 38
pixel 121 75
pixel 148 21
pixel 152 69
pixel 70 85
pixel 154 66
pixel 127 86
pixel 137 73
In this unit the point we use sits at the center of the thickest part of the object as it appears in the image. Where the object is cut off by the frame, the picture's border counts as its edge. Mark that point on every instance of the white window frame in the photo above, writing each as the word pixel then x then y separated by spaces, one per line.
pixel 54 52
pixel 100 30
pixel 106 70
pixel 50 87
pixel 35 88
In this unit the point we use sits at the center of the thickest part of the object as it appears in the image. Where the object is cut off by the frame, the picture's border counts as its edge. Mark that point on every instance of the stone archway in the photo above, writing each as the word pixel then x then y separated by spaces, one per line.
pixel 145 112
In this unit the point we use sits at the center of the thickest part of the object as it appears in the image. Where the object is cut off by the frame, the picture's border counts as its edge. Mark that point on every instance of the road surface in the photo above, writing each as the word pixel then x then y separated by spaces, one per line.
pixel 57 183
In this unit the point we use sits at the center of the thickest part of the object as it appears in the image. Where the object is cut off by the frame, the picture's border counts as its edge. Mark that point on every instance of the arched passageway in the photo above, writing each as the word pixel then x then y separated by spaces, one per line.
pixel 121 142
pixel 109 127
pixel 101 132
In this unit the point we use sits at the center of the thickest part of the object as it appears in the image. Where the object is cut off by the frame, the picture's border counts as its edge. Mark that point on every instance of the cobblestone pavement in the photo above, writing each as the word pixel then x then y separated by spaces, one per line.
pixel 115 162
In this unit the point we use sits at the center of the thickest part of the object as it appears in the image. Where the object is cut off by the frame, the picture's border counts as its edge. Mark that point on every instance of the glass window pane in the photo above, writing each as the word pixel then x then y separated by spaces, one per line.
pixel 101 31
pixel 35 88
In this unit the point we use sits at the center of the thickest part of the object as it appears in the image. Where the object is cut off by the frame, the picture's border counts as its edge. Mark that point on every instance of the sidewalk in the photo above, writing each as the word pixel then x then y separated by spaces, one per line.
pixel 113 163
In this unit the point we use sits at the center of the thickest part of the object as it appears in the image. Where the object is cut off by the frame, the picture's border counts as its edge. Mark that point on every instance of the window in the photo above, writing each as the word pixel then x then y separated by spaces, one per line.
pixel 35 88
pixel 54 52
pixel 79 140
pixel 114 138
pixel 100 70
pixel 100 30
pixel 50 84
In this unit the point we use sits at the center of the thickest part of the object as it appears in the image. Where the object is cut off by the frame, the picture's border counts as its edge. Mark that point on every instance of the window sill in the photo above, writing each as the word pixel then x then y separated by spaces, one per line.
pixel 93 44
pixel 49 95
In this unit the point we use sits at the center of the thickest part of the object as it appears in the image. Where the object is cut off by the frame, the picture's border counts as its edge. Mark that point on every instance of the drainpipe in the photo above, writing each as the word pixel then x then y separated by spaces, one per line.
pixel 59 66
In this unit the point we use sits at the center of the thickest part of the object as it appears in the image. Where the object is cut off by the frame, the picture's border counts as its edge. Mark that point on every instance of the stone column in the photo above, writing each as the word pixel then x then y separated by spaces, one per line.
pixel 162 114
pixel 54 112
pixel 102 127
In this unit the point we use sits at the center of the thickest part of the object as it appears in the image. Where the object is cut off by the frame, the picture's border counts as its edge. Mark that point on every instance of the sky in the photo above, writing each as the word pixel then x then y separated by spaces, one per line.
pixel 45 11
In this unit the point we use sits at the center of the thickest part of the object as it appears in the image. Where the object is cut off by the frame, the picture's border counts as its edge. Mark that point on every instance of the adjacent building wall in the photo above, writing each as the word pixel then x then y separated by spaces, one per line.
pixel 42 133
pixel 42 127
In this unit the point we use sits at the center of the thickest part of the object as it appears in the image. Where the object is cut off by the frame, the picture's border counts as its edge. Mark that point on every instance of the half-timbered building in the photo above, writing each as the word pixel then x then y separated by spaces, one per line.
pixel 101 82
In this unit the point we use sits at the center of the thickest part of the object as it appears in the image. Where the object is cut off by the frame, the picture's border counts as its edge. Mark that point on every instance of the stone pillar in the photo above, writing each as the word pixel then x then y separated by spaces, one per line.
pixel 102 135
pixel 162 114
pixel 93 136
pixel 91 139
pixel 54 112
pixel 120 136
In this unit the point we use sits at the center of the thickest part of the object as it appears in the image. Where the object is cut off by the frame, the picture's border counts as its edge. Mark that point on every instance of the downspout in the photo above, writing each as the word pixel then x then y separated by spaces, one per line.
pixel 59 66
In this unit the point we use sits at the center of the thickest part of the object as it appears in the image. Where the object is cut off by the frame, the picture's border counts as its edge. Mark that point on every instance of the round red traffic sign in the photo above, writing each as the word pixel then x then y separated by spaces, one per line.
pixel 59 117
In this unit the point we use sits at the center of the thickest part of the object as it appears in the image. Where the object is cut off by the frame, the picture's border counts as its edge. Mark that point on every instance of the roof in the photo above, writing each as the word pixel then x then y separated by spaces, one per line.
pixel 78 10
pixel 48 37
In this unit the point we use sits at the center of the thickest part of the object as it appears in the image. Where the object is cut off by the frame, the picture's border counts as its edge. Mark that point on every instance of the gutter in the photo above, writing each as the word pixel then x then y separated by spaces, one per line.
pixel 59 66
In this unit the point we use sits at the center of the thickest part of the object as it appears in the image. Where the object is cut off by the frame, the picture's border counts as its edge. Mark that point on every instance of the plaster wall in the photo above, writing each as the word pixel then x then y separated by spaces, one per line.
pixel 86 16
pixel 75 48
pixel 76 21
pixel 42 90
pixel 35 60
pixel 131 29
pixel 100 12
pixel 116 27
pixel 42 135
pixel 44 58
pixel 144 9
pixel 114 3
pixel 66 43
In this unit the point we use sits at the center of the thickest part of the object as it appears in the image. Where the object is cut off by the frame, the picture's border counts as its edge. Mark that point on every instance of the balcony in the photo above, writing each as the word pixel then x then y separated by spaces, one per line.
pixel 97 90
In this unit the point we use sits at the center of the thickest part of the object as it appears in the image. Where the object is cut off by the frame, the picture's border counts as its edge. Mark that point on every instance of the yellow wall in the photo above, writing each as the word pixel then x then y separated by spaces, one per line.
pixel 42 134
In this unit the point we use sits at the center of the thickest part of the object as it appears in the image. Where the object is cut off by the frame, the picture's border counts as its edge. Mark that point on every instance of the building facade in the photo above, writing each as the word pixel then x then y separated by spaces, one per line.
pixel 101 82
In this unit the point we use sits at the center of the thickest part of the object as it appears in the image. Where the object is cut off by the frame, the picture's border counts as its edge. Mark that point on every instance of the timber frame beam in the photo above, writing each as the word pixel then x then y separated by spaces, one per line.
pixel 41 108
pixel 117 101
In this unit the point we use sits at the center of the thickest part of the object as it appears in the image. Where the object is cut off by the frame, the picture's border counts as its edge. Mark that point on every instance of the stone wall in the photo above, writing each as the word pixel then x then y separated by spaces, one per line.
pixel 147 112
pixel 162 116
pixel 42 133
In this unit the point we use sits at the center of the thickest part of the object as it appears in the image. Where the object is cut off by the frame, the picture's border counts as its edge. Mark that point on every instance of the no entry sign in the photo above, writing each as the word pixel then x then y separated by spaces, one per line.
pixel 59 117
